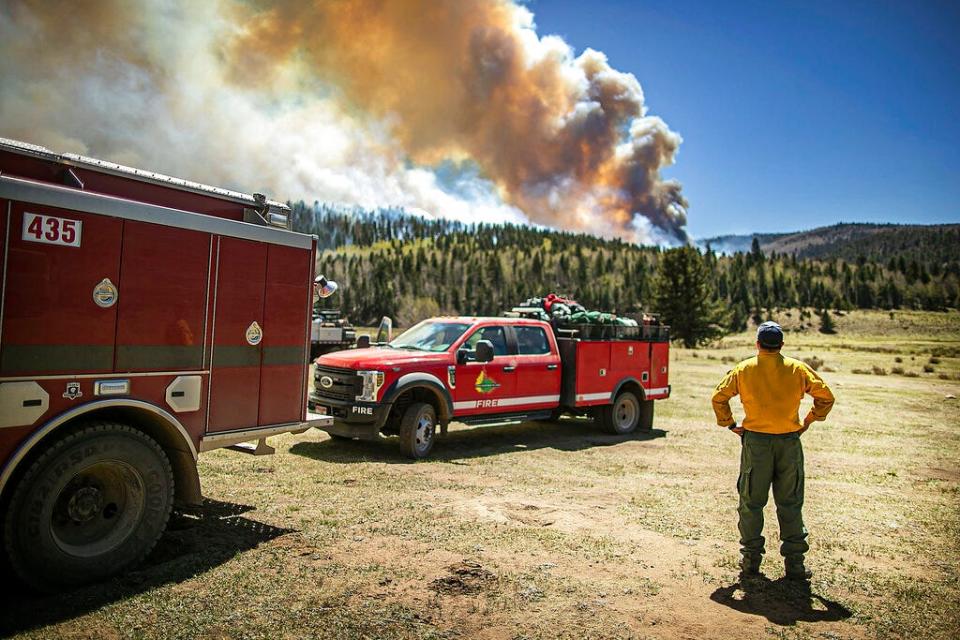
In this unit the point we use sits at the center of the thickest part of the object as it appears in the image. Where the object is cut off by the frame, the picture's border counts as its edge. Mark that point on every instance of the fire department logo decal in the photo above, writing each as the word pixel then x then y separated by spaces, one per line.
pixel 105 294
pixel 72 391
pixel 254 333
pixel 485 384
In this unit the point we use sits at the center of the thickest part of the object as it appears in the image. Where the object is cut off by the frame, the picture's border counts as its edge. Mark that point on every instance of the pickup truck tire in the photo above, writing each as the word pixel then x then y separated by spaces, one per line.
pixel 646 415
pixel 418 430
pixel 91 505
pixel 621 417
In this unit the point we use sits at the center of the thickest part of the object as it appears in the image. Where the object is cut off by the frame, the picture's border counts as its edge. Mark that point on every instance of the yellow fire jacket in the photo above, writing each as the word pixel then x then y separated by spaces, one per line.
pixel 771 387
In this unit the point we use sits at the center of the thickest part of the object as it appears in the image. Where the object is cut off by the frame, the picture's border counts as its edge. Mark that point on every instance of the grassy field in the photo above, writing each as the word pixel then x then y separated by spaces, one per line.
pixel 558 531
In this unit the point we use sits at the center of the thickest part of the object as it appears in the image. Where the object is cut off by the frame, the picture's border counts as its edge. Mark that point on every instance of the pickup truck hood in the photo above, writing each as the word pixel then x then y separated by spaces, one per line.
pixel 381 358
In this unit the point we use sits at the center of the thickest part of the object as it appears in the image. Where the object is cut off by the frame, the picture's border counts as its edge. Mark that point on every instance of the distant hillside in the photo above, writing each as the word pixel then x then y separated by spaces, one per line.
pixel 924 243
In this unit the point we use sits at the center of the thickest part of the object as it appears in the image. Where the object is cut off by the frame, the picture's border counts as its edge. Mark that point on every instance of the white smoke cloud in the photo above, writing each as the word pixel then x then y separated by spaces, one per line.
pixel 159 85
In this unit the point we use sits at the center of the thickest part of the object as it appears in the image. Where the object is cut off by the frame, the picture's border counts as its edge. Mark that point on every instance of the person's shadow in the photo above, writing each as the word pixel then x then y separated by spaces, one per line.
pixel 783 602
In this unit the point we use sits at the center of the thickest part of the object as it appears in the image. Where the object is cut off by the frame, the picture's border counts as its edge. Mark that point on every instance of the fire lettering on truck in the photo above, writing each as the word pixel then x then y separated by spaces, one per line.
pixel 488 403
pixel 367 411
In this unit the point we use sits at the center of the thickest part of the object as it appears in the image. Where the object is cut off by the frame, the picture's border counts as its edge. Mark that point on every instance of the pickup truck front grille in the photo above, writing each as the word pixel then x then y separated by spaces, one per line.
pixel 345 384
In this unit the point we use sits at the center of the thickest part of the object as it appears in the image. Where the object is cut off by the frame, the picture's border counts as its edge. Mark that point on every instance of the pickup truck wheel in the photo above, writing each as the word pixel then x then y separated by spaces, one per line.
pixel 646 415
pixel 418 429
pixel 92 505
pixel 622 416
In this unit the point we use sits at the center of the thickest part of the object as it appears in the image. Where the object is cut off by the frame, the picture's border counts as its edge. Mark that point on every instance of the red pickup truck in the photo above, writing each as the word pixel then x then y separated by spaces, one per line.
pixel 490 371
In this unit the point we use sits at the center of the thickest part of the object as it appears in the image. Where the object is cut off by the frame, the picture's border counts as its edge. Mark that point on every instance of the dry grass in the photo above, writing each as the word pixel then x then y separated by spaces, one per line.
pixel 558 531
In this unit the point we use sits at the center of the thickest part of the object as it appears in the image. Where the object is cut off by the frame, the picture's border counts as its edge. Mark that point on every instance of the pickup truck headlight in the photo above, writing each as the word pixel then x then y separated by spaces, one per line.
pixel 372 381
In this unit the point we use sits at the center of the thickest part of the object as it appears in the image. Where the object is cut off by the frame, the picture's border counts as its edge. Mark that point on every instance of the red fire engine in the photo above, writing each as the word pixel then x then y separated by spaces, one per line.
pixel 490 371
pixel 143 319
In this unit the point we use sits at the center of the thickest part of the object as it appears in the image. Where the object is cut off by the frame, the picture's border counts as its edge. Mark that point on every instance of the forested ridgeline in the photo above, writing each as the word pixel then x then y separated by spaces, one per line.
pixel 927 244
pixel 407 267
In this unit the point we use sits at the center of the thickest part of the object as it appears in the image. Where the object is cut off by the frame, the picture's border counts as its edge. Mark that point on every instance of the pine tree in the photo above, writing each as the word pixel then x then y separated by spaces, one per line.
pixel 826 322
pixel 684 297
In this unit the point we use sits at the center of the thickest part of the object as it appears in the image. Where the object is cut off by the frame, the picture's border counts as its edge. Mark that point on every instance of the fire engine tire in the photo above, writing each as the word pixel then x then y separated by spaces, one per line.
pixel 623 416
pixel 93 504
pixel 418 430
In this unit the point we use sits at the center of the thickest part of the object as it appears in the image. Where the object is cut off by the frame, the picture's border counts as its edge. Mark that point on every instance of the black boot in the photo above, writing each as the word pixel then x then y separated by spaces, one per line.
pixel 795 568
pixel 750 564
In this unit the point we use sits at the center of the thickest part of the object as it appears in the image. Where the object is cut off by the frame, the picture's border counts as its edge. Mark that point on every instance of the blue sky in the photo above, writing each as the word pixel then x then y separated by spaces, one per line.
pixel 794 114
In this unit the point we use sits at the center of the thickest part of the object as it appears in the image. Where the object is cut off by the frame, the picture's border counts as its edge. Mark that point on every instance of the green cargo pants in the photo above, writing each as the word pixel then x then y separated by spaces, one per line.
pixel 775 459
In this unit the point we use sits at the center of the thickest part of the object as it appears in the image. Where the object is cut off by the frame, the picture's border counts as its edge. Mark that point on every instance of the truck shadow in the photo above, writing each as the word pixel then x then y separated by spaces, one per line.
pixel 477 442
pixel 783 602
pixel 195 542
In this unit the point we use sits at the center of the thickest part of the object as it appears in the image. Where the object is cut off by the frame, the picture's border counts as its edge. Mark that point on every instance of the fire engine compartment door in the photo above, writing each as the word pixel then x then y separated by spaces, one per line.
pixel 238 331
pixel 288 297
pixel 164 275
pixel 62 286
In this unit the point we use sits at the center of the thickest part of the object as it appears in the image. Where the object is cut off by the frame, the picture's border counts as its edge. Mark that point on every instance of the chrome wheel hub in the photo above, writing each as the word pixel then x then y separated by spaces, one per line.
pixel 85 504
pixel 424 432
pixel 98 509
pixel 625 413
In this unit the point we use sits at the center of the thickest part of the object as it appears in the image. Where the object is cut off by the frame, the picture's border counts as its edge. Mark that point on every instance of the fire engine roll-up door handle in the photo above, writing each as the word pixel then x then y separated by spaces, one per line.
pixel 551 367
pixel 510 367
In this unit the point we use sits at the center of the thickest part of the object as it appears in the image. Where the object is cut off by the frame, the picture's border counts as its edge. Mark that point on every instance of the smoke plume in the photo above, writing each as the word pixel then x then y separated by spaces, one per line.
pixel 453 107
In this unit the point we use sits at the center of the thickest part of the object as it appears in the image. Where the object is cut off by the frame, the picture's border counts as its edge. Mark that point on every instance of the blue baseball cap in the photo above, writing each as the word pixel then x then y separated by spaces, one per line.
pixel 770 335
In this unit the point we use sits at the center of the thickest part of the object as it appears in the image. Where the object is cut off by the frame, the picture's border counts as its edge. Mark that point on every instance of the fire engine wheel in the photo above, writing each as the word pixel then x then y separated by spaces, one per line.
pixel 622 416
pixel 92 505
pixel 418 429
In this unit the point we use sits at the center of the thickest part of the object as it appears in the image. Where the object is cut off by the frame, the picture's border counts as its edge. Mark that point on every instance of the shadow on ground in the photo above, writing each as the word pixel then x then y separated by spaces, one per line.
pixel 477 442
pixel 783 602
pixel 195 542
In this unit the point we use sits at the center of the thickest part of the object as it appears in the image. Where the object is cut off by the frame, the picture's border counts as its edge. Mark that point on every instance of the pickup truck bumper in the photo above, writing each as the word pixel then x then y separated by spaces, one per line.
pixel 362 420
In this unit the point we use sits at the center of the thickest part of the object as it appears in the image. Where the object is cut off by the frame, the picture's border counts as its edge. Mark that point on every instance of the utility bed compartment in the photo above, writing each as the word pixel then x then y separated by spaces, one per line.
pixel 594 369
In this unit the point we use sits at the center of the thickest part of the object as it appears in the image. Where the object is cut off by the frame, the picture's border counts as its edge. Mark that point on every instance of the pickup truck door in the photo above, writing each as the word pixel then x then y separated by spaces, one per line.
pixel 484 387
pixel 538 368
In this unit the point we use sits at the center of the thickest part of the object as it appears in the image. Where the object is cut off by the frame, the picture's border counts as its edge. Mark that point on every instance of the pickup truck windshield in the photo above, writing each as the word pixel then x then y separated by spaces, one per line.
pixel 430 336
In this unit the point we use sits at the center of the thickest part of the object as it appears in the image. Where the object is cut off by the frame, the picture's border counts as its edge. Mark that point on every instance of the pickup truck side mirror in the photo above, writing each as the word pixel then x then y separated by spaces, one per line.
pixel 363 342
pixel 484 351
pixel 385 331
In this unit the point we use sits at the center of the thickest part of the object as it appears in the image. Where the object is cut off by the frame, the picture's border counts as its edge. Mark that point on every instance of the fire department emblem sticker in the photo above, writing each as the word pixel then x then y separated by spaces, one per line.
pixel 105 294
pixel 485 384
pixel 72 391
pixel 254 333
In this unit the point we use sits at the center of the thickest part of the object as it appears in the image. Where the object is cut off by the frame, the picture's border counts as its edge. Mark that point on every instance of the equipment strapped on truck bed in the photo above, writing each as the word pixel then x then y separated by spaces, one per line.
pixel 570 319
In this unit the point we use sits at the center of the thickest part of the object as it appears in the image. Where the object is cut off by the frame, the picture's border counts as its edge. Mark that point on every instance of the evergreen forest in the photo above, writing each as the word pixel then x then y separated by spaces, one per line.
pixel 389 263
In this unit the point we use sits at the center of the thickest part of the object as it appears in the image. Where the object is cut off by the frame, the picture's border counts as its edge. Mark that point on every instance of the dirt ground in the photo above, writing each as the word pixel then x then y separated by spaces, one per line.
pixel 558 531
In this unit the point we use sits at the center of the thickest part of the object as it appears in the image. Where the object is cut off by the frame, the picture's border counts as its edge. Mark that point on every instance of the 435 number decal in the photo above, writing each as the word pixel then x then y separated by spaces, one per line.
pixel 51 230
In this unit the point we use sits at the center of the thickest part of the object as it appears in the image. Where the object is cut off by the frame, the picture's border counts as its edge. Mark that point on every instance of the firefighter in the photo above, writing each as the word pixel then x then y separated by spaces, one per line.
pixel 771 387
